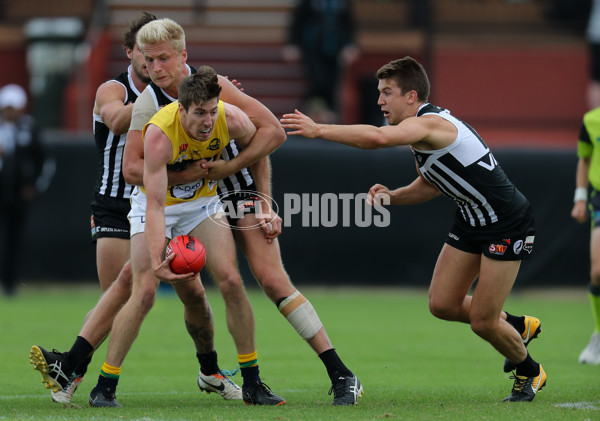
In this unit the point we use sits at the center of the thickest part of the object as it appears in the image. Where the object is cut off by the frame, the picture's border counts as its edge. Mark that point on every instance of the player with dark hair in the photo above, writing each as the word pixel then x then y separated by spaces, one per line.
pixel 112 115
pixel 197 128
pixel 248 185
pixel 493 228
pixel 257 238
pixel 167 56
pixel 110 204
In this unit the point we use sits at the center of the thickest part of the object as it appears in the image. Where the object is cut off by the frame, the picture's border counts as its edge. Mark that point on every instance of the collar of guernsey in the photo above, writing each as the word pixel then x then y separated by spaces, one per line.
pixel 187 149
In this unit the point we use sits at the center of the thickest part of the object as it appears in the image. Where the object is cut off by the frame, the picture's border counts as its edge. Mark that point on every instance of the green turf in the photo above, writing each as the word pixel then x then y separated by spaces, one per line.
pixel 412 365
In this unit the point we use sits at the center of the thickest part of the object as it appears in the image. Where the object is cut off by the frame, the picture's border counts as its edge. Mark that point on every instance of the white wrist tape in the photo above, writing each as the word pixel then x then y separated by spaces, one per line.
pixel 580 194
pixel 300 313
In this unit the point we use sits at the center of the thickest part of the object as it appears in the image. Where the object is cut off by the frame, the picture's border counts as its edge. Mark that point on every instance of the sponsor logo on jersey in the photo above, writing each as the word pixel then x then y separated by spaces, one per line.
pixel 186 191
pixel 528 247
pixel 214 145
pixel 518 247
pixel 498 249
pixel 453 236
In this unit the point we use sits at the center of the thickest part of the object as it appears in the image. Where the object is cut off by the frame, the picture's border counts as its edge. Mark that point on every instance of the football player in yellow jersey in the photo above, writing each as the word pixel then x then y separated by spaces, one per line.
pixel 163 44
pixel 179 133
pixel 165 53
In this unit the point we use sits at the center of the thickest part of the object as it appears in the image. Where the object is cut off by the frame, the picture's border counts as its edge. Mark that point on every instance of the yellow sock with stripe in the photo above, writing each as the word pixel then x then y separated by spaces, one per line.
pixel 110 371
pixel 109 377
pixel 249 367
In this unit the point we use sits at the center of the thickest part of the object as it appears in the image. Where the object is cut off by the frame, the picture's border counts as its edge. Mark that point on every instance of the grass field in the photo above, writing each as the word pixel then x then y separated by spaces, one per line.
pixel 412 365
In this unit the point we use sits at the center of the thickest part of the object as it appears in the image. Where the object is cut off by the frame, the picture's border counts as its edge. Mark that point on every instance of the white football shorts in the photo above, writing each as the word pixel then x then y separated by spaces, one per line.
pixel 180 218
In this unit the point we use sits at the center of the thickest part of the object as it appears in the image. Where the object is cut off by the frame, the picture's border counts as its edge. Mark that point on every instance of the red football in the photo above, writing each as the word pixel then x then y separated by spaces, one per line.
pixel 190 254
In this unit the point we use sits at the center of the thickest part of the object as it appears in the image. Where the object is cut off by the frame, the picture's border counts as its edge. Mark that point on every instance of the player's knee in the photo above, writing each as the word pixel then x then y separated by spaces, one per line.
pixel 126 275
pixel 231 285
pixel 482 327
pixel 275 284
pixel 195 296
pixel 300 313
pixel 145 297
pixel 441 309
pixel 124 282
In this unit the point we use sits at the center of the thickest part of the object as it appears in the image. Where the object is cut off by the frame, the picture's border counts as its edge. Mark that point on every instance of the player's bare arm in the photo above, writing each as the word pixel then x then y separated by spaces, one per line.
pixel 580 211
pixel 133 158
pixel 244 132
pixel 269 135
pixel 357 135
pixel 157 153
pixel 109 105
pixel 239 125
pixel 422 132
pixel 419 191
pixel 133 154
pixel 268 220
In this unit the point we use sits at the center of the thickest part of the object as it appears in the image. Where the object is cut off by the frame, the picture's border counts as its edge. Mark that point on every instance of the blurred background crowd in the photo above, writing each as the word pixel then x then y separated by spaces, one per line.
pixel 286 52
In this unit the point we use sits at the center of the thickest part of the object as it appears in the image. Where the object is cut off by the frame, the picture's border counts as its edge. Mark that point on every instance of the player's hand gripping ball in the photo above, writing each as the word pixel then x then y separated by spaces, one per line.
pixel 190 254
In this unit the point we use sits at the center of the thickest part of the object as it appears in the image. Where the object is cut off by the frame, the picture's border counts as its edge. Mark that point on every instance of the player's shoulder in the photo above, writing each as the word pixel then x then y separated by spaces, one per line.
pixel 145 99
pixel 111 88
pixel 592 117
pixel 234 116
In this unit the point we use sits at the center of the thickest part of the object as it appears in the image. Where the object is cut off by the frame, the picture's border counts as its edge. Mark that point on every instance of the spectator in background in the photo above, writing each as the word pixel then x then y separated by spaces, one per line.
pixel 322 37
pixel 21 164
pixel 588 172
pixel 593 39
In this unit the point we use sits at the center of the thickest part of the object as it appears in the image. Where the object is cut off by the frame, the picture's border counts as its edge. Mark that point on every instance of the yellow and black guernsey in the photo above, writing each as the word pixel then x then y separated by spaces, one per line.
pixel 187 150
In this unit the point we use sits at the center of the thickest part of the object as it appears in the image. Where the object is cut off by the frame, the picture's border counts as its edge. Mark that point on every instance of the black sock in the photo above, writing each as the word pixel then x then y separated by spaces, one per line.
pixel 79 352
pixel 208 363
pixel 334 365
pixel 107 383
pixel 82 368
pixel 528 368
pixel 518 322
pixel 250 375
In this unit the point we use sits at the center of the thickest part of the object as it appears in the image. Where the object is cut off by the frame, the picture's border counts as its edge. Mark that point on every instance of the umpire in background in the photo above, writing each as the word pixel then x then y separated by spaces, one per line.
pixel 21 163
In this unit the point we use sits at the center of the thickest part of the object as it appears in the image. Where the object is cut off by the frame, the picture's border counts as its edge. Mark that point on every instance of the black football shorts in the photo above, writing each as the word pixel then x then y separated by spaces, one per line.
pixel 510 241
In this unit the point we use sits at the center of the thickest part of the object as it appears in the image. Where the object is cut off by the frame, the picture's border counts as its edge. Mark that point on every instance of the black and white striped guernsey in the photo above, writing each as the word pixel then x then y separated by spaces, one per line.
pixel 242 180
pixel 467 172
pixel 109 178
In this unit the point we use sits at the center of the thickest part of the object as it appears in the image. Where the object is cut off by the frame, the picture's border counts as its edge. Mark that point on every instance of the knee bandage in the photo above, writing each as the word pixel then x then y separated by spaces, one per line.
pixel 301 314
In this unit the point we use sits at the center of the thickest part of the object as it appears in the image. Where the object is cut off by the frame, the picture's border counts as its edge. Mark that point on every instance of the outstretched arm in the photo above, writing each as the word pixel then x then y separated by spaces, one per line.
pixel 410 131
